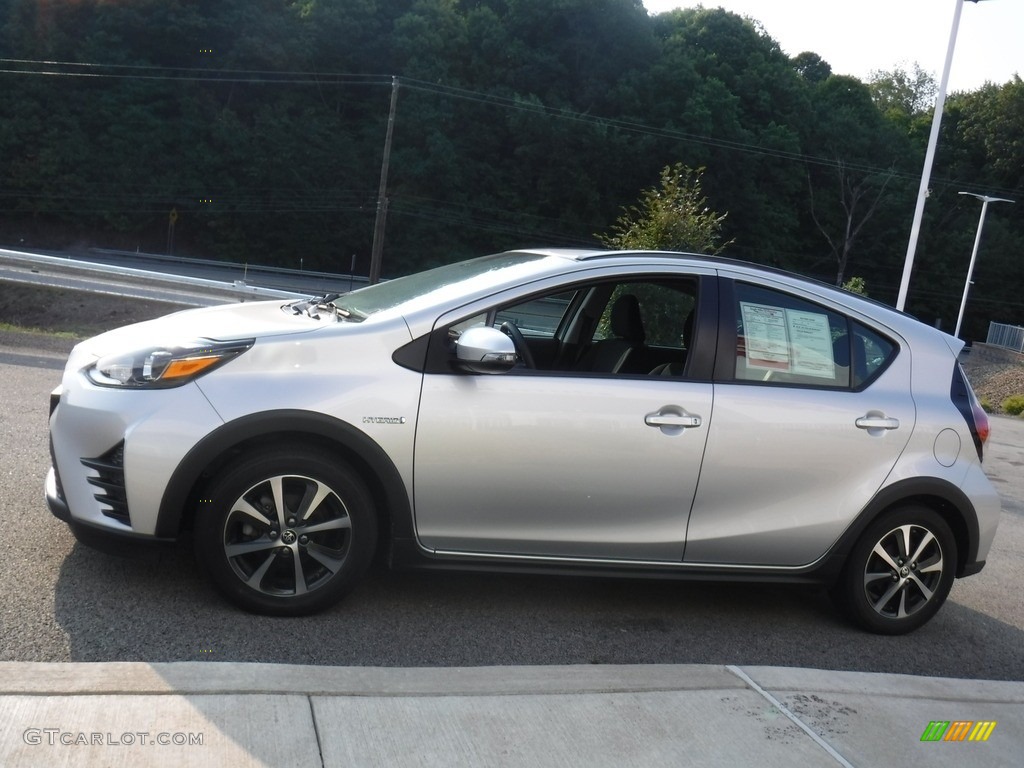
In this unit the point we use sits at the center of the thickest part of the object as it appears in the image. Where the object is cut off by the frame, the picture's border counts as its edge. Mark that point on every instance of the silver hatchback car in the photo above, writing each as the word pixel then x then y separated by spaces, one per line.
pixel 636 413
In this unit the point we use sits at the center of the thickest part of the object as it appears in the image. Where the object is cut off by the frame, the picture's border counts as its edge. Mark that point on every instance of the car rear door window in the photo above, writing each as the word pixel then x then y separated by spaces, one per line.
pixel 782 339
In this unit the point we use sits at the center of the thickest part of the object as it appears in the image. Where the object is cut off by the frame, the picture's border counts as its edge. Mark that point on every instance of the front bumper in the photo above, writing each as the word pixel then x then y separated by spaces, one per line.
pixel 113 453
pixel 102 538
pixel 55 499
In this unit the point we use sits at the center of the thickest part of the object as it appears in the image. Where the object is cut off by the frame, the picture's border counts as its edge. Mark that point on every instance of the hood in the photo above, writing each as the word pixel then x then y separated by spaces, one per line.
pixel 221 323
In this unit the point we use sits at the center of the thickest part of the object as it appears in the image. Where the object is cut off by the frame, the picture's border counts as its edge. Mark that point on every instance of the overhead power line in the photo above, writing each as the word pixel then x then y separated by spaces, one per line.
pixel 270 77
pixel 186 74
pixel 206 75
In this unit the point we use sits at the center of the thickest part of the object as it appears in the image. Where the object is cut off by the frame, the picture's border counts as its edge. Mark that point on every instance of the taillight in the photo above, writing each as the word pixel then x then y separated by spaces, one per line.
pixel 966 402
pixel 980 419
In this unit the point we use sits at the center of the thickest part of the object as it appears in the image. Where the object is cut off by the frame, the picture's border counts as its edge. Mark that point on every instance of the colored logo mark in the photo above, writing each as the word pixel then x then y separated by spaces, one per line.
pixel 958 730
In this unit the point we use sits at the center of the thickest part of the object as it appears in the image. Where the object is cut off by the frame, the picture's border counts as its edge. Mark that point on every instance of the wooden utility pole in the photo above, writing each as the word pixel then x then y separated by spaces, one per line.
pixel 382 191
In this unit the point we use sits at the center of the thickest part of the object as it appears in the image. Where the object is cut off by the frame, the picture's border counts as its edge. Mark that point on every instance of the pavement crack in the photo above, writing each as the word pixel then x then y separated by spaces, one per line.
pixel 316 731
pixel 791 715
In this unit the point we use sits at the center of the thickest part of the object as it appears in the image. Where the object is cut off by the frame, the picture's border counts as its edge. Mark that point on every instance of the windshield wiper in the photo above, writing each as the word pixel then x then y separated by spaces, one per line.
pixel 312 307
pixel 347 313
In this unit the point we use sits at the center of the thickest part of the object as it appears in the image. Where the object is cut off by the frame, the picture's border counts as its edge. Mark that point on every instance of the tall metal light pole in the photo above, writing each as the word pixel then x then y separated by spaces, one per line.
pixel 929 157
pixel 985 200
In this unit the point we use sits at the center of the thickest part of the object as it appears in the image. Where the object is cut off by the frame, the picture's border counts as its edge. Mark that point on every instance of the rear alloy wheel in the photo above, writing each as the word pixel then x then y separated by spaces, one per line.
pixel 900 571
pixel 286 532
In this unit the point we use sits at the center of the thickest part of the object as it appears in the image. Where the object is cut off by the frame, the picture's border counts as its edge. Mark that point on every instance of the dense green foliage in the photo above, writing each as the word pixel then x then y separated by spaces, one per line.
pixel 673 216
pixel 261 123
pixel 1014 405
pixel 856 285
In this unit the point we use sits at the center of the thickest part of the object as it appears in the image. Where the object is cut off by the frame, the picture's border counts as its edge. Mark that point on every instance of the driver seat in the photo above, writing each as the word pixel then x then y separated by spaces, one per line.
pixel 612 355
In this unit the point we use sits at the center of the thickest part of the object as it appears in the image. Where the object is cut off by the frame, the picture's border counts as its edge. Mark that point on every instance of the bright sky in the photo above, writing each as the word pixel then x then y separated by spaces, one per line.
pixel 858 36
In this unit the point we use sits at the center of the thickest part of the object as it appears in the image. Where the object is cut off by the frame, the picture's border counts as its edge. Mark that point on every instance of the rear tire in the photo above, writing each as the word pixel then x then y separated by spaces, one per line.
pixel 899 572
pixel 286 531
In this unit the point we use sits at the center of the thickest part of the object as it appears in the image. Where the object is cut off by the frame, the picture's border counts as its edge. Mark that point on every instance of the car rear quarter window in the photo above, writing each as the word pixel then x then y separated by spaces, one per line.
pixel 871 354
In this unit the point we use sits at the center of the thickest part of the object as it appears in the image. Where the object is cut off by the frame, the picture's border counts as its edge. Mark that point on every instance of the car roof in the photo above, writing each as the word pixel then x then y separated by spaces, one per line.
pixel 591 254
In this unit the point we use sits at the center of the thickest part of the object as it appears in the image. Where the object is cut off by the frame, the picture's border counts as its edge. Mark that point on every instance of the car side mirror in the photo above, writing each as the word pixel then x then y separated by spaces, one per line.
pixel 483 349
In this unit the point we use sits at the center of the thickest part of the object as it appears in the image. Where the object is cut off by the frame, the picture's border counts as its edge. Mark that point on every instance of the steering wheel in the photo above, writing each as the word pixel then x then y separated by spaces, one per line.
pixel 525 355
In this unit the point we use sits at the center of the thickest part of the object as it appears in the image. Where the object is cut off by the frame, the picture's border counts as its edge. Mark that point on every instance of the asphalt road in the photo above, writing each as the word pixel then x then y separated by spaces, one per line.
pixel 61 601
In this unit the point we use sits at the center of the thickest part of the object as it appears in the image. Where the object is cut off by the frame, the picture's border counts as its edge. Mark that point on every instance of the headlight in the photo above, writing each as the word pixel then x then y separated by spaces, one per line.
pixel 162 367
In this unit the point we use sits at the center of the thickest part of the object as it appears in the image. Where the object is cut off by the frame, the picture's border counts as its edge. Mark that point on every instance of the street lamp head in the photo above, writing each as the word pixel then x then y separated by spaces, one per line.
pixel 987 198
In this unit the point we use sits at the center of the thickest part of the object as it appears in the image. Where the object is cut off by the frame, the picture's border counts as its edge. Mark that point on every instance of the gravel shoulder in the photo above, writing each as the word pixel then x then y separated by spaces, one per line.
pixel 994 382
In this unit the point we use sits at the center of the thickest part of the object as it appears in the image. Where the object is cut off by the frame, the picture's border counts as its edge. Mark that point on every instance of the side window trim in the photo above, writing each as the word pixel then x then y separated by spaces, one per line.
pixel 707 330
pixel 725 370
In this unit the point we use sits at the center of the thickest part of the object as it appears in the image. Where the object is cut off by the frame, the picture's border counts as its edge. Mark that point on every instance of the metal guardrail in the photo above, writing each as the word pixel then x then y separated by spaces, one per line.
pixel 195 282
pixel 303 281
pixel 239 288
pixel 1006 336
pixel 132 281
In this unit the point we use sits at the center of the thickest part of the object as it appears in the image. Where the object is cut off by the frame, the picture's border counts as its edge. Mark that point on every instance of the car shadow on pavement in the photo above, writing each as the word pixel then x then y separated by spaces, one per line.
pixel 160 609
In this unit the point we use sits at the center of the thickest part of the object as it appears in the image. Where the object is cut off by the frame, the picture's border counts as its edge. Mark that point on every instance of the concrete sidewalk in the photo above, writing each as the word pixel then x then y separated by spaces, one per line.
pixel 202 714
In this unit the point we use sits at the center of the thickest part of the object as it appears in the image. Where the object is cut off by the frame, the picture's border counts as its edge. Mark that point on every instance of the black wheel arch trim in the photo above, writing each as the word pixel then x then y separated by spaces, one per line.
pixel 954 505
pixel 385 481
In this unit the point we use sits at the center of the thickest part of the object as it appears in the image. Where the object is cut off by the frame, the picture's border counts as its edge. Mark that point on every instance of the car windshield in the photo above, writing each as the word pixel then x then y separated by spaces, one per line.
pixel 364 302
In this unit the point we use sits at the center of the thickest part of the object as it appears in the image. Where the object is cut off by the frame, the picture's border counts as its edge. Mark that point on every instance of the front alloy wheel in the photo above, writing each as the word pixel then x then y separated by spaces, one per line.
pixel 900 571
pixel 286 532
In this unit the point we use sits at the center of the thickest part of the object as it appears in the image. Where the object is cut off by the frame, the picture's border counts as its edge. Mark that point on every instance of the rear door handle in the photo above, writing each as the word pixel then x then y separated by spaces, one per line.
pixel 671 420
pixel 877 422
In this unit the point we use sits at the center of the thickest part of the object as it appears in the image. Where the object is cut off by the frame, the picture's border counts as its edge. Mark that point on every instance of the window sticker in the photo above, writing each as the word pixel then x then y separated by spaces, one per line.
pixel 812 344
pixel 766 337
pixel 787 340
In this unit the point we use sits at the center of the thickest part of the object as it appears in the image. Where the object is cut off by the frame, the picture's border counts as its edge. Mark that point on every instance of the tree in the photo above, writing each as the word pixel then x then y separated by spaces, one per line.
pixel 859 196
pixel 980 151
pixel 723 81
pixel 990 119
pixel 261 122
pixel 899 93
pixel 858 150
pixel 671 217
pixel 856 285
pixel 812 67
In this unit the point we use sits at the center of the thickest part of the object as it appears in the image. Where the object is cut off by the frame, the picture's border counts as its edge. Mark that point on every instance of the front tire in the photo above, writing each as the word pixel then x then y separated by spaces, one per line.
pixel 899 572
pixel 286 531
